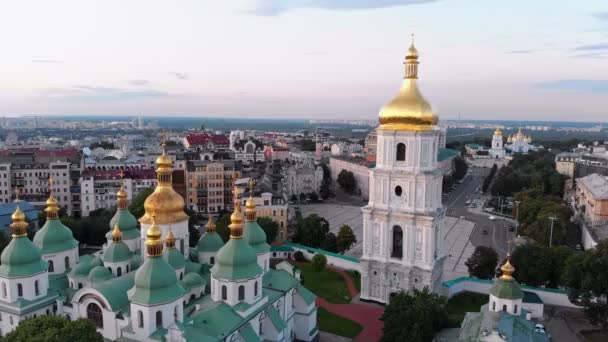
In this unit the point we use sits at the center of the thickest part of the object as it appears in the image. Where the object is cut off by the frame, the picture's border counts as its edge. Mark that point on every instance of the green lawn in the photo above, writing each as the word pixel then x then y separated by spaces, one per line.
pixel 326 284
pixel 463 303
pixel 356 277
pixel 337 325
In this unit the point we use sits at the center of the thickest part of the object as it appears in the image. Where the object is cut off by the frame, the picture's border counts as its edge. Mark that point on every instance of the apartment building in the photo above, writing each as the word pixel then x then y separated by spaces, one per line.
pixel 565 161
pixel 591 198
pixel 210 183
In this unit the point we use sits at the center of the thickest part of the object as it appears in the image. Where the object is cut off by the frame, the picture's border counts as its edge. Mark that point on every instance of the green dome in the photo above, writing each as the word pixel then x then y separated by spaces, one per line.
pixel 81 269
pixel 135 262
pixel 96 261
pixel 117 251
pixel 193 280
pixel 256 237
pixel 506 289
pixel 175 258
pixel 209 242
pixel 21 258
pixel 99 274
pixel 236 260
pixel 155 282
pixel 127 223
pixel 54 237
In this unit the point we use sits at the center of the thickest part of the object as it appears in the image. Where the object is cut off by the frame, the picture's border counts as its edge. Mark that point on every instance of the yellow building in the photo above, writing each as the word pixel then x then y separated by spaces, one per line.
pixel 210 183
pixel 564 163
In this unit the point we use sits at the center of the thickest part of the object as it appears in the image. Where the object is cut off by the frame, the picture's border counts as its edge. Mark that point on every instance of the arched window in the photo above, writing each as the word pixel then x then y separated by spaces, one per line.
pixel 4 289
pixel 19 290
pixel 181 275
pixel 255 289
pixel 176 313
pixel 159 319
pixel 119 271
pixel 95 315
pixel 515 309
pixel 140 319
pixel 241 292
pixel 51 266
pixel 504 308
pixel 67 262
pixel 212 260
pixel 36 288
pixel 127 271
pixel 68 317
pixel 224 292
pixel 493 306
pixel 400 152
pixel 79 285
pixel 397 251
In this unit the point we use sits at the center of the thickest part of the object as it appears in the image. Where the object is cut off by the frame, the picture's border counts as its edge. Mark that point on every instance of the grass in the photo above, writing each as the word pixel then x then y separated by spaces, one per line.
pixel 462 303
pixel 595 336
pixel 356 277
pixel 337 325
pixel 326 284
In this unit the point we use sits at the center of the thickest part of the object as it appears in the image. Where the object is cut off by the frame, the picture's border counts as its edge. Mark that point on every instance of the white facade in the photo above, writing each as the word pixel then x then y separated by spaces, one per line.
pixel 497 150
pixel 302 179
pixel 403 221
pixel 180 231
pixel 96 192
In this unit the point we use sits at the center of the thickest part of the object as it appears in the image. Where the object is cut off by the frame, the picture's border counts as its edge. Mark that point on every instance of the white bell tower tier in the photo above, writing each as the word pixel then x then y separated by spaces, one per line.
pixel 497 151
pixel 403 221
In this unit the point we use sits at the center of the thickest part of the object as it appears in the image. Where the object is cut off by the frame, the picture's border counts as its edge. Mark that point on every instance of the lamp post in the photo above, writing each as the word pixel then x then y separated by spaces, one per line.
pixel 552 218
pixel 517 217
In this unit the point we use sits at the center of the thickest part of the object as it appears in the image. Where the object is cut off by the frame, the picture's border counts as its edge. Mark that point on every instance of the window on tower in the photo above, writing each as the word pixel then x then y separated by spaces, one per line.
pixel 397 251
pixel 398 190
pixel 400 152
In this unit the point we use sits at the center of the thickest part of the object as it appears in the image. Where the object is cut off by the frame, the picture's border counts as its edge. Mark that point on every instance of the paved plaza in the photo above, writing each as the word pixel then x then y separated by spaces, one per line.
pixel 456 246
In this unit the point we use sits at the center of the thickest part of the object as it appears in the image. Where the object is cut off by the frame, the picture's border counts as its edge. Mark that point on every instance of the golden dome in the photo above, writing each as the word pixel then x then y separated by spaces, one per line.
pixel 498 131
pixel 164 161
pixel 19 226
pixel 170 239
pixel 520 133
pixel 236 219
pixel 409 110
pixel 18 215
pixel 51 201
pixel 116 234
pixel 507 269
pixel 154 244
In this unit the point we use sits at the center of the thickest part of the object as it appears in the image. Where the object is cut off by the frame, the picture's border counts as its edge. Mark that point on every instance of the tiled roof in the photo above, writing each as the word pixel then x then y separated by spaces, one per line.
pixel 204 138
pixel 596 184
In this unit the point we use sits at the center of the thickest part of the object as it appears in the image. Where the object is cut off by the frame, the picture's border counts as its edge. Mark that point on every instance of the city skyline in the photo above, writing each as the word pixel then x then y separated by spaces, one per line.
pixel 304 59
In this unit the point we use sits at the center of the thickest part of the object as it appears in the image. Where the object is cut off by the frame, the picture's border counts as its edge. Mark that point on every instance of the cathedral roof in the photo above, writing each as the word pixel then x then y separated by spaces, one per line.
pixel 193 280
pixel 54 237
pixel 99 273
pixel 127 223
pixel 155 282
pixel 236 260
pixel 209 242
pixel 175 258
pixel 21 258
pixel 116 251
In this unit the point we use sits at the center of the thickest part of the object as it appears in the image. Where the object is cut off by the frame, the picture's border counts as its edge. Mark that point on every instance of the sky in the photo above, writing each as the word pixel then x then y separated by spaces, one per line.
pixel 342 59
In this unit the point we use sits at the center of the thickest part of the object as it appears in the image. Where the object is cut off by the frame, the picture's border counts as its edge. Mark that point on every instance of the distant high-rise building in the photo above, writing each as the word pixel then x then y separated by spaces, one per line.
pixel 140 122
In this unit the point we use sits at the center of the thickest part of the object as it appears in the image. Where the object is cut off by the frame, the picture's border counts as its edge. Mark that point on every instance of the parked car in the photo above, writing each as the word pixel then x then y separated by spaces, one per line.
pixel 492 218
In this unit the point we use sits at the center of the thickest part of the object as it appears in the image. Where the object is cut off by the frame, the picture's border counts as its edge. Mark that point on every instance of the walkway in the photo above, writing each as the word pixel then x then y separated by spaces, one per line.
pixel 366 315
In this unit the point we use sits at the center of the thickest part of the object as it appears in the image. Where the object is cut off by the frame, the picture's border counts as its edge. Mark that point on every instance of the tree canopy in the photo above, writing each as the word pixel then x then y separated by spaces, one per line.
pixel 347 181
pixel 311 230
pixel 137 204
pixel 482 263
pixel 416 314
pixel 270 227
pixel 330 243
pixel 346 238
pixel 54 329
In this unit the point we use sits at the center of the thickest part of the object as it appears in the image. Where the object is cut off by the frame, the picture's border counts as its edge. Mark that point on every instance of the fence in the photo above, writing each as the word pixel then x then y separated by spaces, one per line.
pixel 342 261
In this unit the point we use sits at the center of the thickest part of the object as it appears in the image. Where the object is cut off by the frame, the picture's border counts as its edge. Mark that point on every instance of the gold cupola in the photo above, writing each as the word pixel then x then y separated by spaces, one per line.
pixel 498 131
pixel 170 240
pixel 210 227
pixel 409 110
pixel 116 234
pixel 250 211
pixel 236 219
pixel 154 244
pixel 507 269
pixel 164 202
pixel 19 225
pixel 52 209
pixel 121 195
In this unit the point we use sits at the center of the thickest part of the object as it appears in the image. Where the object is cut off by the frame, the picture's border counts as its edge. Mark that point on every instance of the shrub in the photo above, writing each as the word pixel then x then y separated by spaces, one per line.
pixel 319 261
pixel 299 256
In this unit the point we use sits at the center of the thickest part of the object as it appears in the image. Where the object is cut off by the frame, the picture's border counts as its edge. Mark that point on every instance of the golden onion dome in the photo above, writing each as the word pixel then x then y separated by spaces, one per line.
pixel 507 269
pixel 409 110
pixel 121 194
pixel 19 225
pixel 116 233
pixel 498 131
pixel 170 239
pixel 18 215
pixel 51 201
pixel 164 161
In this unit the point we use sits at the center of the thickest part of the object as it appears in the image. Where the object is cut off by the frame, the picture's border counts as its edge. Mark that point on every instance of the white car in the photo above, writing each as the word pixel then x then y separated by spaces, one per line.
pixel 492 218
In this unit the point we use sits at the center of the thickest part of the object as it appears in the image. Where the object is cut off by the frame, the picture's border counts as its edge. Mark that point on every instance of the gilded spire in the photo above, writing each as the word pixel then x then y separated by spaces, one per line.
pixel 250 211
pixel 170 240
pixel 507 269
pixel 19 225
pixel 154 244
pixel 210 225
pixel 17 193
pixel 164 169
pixel 52 209
pixel 236 219
pixel 116 233
pixel 498 131
pixel 121 195
pixel 409 110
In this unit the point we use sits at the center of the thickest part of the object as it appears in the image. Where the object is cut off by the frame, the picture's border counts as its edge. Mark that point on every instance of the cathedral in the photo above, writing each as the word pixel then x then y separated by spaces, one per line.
pixel 148 285
pixel 520 143
pixel 497 150
pixel 403 221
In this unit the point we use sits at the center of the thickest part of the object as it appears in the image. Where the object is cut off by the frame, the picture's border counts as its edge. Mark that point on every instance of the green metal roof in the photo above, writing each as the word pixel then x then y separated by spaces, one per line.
pixel 54 237
pixel 135 261
pixel 281 248
pixel 21 258
pixel 127 223
pixel 115 291
pixel 23 306
pixel 506 289
pixel 193 280
pixel 236 260
pixel 83 267
pixel 249 334
pixel 470 327
pixel 99 273
pixel 256 237
pixel 116 251
pixel 306 294
pixel 155 282
pixel 209 242
pixel 175 258
pixel 531 297
pixel 213 324
pixel 275 318
pixel 280 280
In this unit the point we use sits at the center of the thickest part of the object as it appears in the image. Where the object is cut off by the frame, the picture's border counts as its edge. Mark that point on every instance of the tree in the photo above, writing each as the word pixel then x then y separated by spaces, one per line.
pixel 302 196
pixel 417 314
pixel 270 227
pixel 347 181
pixel 313 196
pixel 482 263
pixel 586 277
pixel 319 261
pixel 299 256
pixel 460 167
pixel 221 226
pixel 311 230
pixel 293 198
pixel 137 204
pixel 330 243
pixel 54 329
pixel 346 238
pixel 325 190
